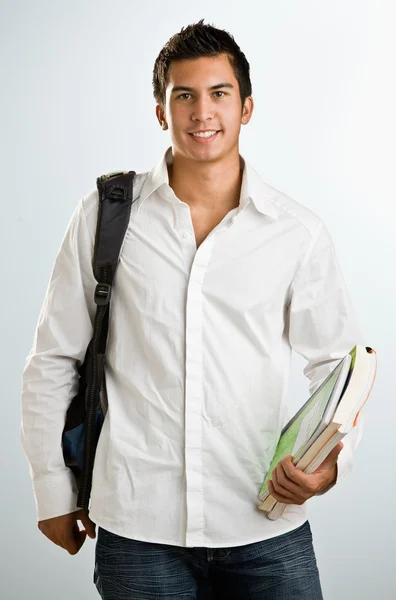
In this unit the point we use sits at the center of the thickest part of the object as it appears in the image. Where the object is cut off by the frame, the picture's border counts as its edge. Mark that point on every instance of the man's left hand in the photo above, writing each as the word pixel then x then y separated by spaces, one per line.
pixel 292 486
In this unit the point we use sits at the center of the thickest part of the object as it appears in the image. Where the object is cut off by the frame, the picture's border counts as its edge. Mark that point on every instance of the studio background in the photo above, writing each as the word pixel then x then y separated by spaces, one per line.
pixel 76 102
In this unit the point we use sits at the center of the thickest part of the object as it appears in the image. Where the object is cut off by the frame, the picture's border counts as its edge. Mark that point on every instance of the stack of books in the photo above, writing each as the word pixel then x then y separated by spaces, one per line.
pixel 328 415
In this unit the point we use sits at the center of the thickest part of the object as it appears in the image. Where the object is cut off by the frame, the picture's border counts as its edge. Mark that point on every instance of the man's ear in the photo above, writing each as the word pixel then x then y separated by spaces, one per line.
pixel 247 110
pixel 159 111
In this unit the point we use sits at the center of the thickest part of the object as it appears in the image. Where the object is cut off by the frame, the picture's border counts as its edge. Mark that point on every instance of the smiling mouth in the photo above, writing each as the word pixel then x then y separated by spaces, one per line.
pixel 205 137
pixel 207 133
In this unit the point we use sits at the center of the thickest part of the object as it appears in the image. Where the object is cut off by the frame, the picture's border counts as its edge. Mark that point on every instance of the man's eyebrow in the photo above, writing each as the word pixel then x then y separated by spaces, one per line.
pixel 183 88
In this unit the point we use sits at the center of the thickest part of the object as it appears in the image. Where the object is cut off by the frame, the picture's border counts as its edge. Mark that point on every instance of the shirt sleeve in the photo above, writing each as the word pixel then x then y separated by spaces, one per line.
pixel 323 326
pixel 50 378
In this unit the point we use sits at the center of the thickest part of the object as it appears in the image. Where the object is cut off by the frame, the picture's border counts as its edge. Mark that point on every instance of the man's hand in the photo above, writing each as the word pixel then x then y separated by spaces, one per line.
pixel 64 530
pixel 292 486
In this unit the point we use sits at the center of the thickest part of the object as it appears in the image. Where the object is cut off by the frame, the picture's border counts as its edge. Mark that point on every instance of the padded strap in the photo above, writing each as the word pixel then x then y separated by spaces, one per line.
pixel 115 200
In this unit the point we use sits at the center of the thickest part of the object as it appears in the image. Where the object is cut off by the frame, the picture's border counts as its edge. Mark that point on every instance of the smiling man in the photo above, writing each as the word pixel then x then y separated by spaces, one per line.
pixel 221 276
pixel 201 104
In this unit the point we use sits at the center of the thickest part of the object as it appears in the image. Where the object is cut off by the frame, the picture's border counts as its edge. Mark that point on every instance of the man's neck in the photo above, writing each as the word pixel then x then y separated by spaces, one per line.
pixel 210 187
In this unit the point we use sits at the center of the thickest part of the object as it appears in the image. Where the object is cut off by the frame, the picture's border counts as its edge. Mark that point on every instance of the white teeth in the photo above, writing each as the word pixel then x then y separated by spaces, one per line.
pixel 205 134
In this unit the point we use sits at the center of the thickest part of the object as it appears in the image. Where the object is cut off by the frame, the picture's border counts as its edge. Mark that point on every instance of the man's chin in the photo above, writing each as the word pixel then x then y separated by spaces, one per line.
pixel 202 153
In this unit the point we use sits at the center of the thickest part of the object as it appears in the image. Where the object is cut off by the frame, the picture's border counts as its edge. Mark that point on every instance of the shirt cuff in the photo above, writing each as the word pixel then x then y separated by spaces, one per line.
pixel 55 495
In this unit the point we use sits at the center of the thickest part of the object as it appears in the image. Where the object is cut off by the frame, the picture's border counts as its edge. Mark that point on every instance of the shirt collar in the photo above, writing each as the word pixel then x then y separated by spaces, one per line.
pixel 253 188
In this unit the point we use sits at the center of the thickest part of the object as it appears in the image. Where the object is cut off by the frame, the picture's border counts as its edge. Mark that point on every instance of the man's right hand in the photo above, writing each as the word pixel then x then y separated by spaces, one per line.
pixel 64 530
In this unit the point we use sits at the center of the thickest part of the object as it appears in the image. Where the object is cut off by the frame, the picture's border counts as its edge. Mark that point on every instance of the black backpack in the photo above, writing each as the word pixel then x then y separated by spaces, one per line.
pixel 84 417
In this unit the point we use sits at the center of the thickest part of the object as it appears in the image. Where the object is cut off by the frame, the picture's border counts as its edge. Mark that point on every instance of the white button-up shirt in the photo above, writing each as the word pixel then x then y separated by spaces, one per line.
pixel 198 361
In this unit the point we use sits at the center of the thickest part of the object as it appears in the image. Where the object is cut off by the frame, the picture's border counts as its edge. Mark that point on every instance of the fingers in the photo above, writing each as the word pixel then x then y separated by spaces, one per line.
pixel 64 530
pixel 74 539
pixel 284 489
pixel 292 473
pixel 88 524
pixel 279 497
pixel 282 484
pixel 291 485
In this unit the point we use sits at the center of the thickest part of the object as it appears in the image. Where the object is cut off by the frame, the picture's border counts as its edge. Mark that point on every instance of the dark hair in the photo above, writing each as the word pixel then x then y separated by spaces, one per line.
pixel 194 41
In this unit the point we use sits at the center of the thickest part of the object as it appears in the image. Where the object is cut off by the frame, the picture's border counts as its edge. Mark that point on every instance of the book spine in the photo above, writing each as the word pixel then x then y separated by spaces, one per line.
pixel 268 503
pixel 264 496
pixel 277 511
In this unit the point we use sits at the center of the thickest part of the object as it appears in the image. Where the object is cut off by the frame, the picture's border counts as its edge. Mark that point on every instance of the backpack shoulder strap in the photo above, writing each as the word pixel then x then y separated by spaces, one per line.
pixel 115 201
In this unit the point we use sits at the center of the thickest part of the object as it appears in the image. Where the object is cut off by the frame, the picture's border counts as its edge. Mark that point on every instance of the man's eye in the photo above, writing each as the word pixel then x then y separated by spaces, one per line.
pixel 183 96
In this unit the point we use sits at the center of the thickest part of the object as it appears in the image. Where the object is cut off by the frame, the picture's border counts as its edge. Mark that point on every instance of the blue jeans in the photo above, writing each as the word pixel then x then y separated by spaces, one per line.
pixel 281 568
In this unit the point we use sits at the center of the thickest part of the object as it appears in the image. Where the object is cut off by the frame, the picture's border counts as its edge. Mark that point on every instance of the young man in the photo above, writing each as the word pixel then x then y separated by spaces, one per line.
pixel 220 277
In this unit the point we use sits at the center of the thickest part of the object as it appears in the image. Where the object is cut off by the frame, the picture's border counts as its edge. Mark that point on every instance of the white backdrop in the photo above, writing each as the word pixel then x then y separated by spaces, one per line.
pixel 76 102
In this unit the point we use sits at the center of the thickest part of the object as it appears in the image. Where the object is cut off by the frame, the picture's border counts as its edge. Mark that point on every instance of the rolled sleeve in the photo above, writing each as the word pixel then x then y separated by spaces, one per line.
pixel 50 378
pixel 323 326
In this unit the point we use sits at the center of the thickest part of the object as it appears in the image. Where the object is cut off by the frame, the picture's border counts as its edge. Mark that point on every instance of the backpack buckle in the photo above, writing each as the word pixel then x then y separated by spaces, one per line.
pixel 102 294
pixel 116 192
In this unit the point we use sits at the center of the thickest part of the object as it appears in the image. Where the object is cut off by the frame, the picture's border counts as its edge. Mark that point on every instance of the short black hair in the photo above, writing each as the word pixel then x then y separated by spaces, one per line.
pixel 194 41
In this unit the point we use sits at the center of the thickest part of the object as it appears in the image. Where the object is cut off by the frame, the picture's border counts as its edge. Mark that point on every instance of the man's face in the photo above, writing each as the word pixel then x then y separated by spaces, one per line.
pixel 203 95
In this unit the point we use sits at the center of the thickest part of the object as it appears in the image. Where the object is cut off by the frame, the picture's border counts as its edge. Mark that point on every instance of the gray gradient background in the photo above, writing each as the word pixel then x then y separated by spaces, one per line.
pixel 76 102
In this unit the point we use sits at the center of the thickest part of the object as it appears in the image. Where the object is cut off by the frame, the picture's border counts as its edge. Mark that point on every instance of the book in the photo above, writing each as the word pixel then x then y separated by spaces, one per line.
pixel 320 424
pixel 308 423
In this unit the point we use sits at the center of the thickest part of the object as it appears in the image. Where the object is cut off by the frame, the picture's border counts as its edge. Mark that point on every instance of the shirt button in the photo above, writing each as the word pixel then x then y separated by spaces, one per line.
pixel 186 234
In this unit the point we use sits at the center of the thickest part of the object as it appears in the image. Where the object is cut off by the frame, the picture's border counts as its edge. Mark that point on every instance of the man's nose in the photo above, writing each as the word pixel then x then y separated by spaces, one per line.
pixel 203 110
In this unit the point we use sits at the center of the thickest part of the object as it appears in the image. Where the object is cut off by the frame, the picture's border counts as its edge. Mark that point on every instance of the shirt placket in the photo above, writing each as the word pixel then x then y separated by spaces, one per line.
pixel 198 259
